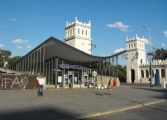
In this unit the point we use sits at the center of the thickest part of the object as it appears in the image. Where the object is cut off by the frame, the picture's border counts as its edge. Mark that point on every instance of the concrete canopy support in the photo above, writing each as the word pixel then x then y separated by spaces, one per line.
pixel 47 82
pixel 117 66
pixel 63 82
pixel 52 70
pixel 40 60
pixel 34 61
pixel 109 68
pixel 56 71
pixel 166 73
pixel 43 59
pixel 63 73
pixel 49 70
pixel 113 74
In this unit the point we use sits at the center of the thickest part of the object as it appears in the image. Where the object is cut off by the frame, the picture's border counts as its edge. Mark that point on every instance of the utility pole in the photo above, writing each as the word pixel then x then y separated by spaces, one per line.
pixel 150 29
pixel 92 46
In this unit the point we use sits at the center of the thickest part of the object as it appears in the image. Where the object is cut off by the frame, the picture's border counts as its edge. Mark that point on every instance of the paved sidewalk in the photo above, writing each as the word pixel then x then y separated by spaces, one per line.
pixel 74 103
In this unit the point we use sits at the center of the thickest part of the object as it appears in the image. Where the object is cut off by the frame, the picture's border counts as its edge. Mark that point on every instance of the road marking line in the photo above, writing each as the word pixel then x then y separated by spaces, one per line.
pixel 138 105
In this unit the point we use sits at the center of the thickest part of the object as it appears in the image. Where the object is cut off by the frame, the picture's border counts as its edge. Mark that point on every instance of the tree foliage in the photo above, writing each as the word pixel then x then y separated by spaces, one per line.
pixel 160 54
pixel 5 57
pixel 115 71
pixel 5 53
pixel 13 60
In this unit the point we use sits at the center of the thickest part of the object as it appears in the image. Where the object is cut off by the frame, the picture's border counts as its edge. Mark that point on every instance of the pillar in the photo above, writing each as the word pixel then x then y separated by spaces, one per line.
pixel 47 82
pixel 117 66
pixel 40 60
pixel 109 69
pixel 49 77
pixel 63 83
pixel 166 73
pixel 160 75
pixel 52 70
pixel 43 59
pixel 56 71
pixel 113 68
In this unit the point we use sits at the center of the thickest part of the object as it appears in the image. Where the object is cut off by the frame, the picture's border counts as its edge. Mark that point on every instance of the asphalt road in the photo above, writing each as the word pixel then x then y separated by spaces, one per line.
pixel 71 104
pixel 153 112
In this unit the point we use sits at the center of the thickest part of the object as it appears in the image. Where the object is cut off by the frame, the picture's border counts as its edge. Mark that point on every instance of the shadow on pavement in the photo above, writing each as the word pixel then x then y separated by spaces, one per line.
pixel 43 113
pixel 155 89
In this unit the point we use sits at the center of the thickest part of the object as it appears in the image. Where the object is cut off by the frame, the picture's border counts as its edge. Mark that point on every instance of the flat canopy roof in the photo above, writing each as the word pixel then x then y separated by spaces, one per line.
pixel 55 47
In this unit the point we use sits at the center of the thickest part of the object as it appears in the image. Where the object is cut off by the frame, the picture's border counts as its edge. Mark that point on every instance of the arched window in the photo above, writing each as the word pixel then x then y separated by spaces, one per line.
pixel 68 33
pixel 73 31
pixel 162 73
pixel 142 73
pixel 86 32
pixel 78 31
pixel 141 61
pixel 147 74
pixel 82 32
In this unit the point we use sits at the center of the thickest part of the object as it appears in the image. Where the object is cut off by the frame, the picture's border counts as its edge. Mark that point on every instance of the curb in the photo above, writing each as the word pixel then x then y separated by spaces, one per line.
pixel 138 105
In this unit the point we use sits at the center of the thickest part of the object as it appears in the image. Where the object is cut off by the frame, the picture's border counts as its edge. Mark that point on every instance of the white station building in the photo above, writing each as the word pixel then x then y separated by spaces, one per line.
pixel 73 59
pixel 138 67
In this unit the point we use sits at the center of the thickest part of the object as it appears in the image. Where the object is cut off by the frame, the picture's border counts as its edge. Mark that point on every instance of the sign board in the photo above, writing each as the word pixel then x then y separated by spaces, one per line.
pixel 94 73
pixel 59 79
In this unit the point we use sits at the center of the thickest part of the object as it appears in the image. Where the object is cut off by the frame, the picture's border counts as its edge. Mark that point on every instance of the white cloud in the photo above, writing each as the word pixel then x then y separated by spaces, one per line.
pixel 29 47
pixel 19 47
pixel 163 44
pixel 119 25
pixel 165 33
pixel 12 19
pixel 1 46
pixel 119 50
pixel 19 41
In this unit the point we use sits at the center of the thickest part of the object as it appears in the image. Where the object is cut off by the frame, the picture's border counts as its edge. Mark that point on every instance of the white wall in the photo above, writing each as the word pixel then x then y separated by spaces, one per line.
pixel 78 35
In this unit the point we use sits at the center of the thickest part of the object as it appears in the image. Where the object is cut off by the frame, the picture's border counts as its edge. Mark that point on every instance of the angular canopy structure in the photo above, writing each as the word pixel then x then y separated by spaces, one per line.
pixel 55 47
pixel 62 64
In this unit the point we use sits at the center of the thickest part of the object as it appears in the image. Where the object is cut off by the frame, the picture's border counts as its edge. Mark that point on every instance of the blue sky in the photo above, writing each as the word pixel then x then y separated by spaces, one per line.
pixel 24 24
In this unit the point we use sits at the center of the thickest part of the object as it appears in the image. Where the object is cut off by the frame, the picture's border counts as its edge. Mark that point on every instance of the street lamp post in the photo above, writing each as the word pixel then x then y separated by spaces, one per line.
pixel 150 52
pixel 92 47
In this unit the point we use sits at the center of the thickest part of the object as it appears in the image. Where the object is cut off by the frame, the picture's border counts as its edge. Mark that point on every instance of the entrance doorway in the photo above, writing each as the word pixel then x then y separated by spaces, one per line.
pixel 71 80
pixel 86 80
pixel 132 75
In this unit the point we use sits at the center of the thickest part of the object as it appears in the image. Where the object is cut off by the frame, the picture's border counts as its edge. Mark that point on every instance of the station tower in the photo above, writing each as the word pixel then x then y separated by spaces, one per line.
pixel 78 35
pixel 135 57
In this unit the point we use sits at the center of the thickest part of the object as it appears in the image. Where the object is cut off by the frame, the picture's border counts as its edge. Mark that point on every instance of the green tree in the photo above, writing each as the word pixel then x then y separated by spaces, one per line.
pixel 160 54
pixel 116 70
pixel 121 71
pixel 4 56
pixel 13 60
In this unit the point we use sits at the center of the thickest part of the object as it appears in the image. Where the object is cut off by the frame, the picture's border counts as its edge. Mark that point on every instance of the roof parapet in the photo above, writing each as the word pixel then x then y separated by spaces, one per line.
pixel 137 38
pixel 76 21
